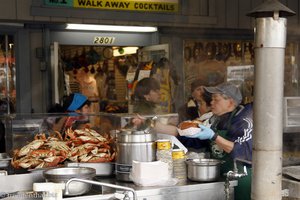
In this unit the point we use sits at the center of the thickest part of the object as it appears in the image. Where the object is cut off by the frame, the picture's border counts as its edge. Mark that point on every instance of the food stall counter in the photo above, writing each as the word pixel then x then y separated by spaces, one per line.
pixel 188 191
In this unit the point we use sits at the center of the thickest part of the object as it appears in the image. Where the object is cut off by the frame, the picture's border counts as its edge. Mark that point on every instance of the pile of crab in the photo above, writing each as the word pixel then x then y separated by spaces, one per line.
pixel 80 145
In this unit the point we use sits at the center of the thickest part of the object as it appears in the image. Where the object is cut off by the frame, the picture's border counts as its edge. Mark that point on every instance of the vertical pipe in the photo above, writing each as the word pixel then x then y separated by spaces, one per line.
pixel 270 41
pixel 7 89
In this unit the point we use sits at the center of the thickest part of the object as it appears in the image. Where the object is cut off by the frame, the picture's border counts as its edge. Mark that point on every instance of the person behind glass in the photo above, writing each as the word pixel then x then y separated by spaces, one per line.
pixel 76 102
pixel 147 96
pixel 76 105
pixel 231 132
pixel 197 105
pixel 197 108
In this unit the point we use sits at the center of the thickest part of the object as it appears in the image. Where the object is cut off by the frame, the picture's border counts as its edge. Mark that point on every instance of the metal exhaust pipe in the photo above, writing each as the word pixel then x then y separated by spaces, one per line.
pixel 270 43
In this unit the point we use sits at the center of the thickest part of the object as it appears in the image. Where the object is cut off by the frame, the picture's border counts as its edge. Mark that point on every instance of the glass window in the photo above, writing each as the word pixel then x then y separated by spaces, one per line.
pixel 215 61
pixel 7 74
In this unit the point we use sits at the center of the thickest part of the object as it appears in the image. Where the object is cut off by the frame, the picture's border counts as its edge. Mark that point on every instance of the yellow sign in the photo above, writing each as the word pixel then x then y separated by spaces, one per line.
pixel 134 5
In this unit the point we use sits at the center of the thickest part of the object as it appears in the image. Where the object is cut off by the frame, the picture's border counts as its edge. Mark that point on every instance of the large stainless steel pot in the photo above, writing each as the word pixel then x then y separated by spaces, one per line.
pixel 203 170
pixel 133 145
pixel 63 174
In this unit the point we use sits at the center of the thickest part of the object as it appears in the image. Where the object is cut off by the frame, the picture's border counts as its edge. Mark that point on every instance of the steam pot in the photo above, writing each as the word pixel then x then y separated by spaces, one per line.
pixel 133 145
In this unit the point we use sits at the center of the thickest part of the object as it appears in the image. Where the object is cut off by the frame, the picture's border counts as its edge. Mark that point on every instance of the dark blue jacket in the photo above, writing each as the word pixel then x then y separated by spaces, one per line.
pixel 239 126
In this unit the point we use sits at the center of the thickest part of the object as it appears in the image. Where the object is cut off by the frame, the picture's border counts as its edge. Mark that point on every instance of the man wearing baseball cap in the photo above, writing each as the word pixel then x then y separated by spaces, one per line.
pixel 230 133
pixel 77 106
pixel 75 102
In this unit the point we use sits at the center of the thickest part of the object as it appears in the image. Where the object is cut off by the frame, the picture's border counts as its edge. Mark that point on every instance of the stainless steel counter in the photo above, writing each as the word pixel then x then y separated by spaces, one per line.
pixel 188 191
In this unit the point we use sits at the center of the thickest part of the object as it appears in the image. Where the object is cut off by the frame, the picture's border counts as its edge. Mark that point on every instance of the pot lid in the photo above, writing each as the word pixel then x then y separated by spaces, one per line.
pixel 128 135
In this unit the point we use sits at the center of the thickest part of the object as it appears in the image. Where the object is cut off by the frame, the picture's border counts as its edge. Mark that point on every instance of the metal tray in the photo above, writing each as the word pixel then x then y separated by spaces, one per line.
pixel 102 169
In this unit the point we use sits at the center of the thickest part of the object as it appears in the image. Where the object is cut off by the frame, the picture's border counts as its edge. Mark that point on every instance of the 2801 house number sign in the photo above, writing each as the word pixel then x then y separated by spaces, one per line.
pixel 104 40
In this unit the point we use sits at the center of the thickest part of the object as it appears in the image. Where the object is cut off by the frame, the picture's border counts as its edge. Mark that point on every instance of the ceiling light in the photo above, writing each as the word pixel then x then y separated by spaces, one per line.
pixel 12 24
pixel 126 51
pixel 111 28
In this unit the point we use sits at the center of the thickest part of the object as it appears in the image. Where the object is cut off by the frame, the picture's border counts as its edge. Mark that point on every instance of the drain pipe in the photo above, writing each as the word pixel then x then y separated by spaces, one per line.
pixel 269 44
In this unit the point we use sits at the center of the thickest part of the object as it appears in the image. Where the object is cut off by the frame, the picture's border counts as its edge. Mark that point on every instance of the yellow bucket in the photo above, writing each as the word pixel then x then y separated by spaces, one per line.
pixel 178 154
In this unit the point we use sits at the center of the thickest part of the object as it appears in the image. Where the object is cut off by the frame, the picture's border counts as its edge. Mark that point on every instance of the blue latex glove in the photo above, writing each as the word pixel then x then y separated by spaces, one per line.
pixel 204 134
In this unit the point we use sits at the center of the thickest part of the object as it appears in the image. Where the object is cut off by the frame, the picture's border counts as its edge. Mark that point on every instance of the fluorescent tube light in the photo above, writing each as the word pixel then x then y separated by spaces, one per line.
pixel 12 24
pixel 111 28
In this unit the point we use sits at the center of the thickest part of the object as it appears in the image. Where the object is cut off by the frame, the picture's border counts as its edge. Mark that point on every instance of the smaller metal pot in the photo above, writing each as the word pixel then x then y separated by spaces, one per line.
pixel 203 170
pixel 102 169
pixel 63 174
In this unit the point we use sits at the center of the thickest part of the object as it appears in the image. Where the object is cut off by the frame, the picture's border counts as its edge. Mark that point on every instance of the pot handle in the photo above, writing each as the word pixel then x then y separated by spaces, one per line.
pixel 102 184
